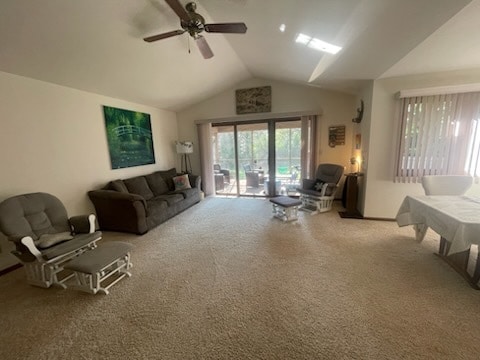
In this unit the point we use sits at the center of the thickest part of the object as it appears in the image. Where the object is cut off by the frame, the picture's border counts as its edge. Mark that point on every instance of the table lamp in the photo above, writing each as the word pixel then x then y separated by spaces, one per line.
pixel 353 161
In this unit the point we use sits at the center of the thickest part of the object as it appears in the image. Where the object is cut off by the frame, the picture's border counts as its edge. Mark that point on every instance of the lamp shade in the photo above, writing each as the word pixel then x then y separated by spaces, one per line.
pixel 184 147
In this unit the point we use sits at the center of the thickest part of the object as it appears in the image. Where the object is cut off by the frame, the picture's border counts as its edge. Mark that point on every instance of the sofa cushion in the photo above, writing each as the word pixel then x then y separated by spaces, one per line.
pixel 181 182
pixel 168 176
pixel 170 198
pixel 138 185
pixel 157 203
pixel 119 185
pixel 157 184
pixel 186 193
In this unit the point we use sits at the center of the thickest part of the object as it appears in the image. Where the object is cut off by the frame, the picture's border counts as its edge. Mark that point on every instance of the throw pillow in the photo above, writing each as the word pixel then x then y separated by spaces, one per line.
pixel 181 182
pixel 47 240
pixel 317 186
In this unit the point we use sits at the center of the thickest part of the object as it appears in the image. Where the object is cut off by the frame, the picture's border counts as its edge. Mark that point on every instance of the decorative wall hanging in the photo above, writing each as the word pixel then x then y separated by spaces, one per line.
pixel 254 100
pixel 358 141
pixel 359 117
pixel 129 136
pixel 336 135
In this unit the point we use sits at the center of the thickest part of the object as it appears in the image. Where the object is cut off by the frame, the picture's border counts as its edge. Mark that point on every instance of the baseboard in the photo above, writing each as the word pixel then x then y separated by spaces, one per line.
pixel 347 215
pixel 10 269
pixel 378 219
pixel 358 215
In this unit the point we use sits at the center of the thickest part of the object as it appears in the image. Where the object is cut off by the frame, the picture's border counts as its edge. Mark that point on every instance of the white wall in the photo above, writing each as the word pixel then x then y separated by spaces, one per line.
pixel 383 196
pixel 337 109
pixel 363 128
pixel 52 139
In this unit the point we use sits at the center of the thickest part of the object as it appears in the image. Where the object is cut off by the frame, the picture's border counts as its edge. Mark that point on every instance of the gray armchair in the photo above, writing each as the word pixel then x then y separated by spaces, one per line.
pixel 45 238
pixel 317 194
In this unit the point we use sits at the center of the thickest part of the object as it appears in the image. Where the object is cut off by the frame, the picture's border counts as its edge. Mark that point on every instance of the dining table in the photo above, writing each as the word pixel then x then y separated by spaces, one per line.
pixel 455 218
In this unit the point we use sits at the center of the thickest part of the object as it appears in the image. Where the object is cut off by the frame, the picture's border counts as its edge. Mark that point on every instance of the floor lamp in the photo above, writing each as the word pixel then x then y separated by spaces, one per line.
pixel 184 148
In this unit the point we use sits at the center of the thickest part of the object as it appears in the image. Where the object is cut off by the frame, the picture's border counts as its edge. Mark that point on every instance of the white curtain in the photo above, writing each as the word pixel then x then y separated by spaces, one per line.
pixel 309 135
pixel 438 136
pixel 206 157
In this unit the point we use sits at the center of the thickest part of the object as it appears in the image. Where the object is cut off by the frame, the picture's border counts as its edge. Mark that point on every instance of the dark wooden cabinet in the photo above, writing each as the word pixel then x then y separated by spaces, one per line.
pixel 350 196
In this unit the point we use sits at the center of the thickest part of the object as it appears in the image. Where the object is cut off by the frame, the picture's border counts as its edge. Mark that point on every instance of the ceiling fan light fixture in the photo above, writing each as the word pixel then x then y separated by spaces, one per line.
pixel 203 46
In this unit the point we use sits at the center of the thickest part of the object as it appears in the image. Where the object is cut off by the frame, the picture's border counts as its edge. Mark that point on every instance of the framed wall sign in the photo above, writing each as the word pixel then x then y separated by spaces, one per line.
pixel 336 135
pixel 254 100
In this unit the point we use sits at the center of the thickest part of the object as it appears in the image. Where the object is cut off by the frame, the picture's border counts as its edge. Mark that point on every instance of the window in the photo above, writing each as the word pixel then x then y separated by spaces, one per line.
pixel 440 135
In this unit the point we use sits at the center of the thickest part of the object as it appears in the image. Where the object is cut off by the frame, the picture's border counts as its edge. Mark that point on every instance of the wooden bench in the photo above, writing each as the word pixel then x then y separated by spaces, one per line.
pixel 285 208
pixel 92 268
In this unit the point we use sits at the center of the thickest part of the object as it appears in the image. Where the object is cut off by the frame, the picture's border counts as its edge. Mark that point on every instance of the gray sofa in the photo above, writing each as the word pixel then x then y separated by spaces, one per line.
pixel 140 203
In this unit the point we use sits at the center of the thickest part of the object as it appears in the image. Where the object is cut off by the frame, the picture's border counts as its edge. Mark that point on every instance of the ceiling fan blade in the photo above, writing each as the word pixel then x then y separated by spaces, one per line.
pixel 203 47
pixel 232 28
pixel 179 9
pixel 164 35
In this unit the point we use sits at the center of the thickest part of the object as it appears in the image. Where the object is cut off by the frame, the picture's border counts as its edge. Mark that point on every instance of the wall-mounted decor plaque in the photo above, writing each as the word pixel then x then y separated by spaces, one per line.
pixel 336 135
pixel 254 100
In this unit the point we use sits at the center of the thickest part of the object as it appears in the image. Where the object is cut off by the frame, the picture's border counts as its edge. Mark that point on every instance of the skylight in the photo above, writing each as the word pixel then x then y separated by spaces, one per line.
pixel 317 44
pixel 303 39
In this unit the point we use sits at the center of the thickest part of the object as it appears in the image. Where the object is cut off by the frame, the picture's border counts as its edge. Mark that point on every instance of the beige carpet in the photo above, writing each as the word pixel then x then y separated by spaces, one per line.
pixel 225 280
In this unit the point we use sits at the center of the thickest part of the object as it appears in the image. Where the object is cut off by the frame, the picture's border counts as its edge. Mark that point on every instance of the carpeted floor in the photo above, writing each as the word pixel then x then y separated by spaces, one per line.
pixel 225 280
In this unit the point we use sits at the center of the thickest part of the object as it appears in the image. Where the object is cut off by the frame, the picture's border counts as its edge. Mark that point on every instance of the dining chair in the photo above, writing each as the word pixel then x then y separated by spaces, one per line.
pixel 446 184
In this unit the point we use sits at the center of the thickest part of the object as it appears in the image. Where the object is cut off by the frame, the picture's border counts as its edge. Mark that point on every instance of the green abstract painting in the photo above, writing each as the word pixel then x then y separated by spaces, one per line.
pixel 129 136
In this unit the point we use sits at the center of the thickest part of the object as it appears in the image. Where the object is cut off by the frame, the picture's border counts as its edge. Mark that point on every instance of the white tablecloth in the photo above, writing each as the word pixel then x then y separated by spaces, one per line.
pixel 456 218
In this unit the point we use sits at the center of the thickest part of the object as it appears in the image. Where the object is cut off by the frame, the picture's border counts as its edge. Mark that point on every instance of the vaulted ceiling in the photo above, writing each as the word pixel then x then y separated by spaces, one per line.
pixel 97 46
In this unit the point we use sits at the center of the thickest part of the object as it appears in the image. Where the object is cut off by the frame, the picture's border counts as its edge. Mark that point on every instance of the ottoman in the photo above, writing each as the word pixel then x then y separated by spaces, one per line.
pixel 285 208
pixel 92 268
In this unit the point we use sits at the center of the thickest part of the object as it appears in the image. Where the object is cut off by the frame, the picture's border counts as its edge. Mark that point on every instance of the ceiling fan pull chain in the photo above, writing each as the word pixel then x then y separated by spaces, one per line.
pixel 188 41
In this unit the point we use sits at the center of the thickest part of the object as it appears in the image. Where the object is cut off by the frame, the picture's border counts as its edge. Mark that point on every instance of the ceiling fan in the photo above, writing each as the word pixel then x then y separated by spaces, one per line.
pixel 194 24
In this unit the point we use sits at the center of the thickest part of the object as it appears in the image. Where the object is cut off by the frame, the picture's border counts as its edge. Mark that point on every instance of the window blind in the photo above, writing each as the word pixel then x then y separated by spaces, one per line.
pixel 439 135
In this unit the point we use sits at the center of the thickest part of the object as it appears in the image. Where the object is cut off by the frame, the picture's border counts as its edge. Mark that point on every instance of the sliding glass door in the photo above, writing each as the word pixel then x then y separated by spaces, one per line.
pixel 257 158
pixel 224 160
pixel 252 150
pixel 288 145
